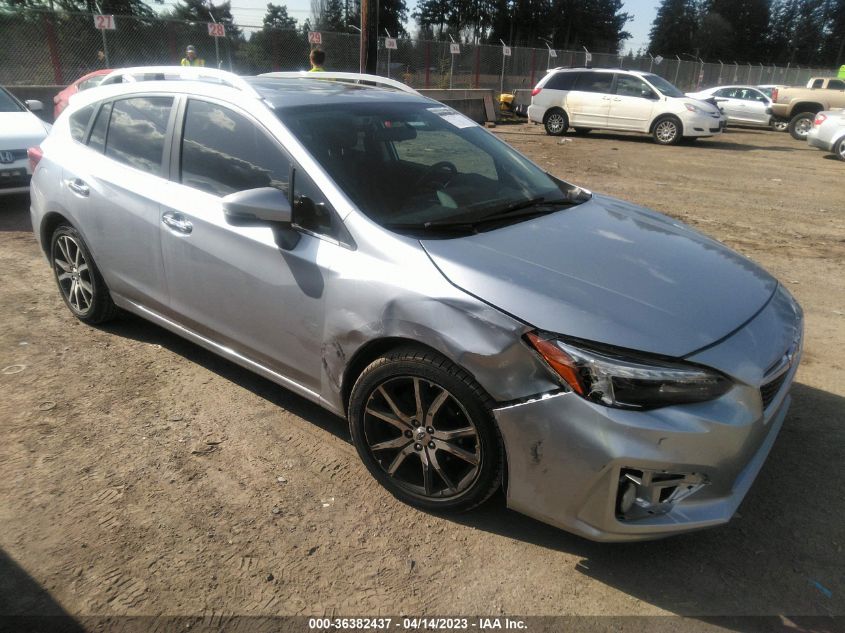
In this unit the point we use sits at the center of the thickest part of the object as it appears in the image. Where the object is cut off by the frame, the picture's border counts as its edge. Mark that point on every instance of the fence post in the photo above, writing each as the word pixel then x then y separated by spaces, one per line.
pixel 53 47
pixel 274 44
pixel 427 63
pixel 171 43
pixel 533 59
pixel 477 66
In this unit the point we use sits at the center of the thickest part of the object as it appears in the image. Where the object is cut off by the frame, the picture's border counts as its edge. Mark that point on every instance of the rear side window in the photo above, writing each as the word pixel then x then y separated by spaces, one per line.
pixel 79 123
pixel 562 81
pixel 97 140
pixel 818 83
pixel 137 131
pixel 595 82
pixel 224 152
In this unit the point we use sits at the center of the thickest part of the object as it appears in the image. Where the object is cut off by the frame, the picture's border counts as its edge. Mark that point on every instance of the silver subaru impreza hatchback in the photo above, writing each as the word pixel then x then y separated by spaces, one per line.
pixel 479 322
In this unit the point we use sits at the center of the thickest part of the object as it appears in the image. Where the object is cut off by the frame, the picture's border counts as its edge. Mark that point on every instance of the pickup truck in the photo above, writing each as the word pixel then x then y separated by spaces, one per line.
pixel 799 105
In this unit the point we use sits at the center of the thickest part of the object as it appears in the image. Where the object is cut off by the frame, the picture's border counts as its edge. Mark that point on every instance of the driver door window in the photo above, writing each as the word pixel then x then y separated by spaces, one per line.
pixel 224 152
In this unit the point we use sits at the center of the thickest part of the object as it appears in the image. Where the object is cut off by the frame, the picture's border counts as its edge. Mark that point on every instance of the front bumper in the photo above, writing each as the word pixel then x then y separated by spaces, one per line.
pixel 15 177
pixel 568 458
pixel 703 125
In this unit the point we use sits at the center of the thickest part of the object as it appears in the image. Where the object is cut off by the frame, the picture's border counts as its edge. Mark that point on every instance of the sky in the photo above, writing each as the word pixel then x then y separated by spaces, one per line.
pixel 250 12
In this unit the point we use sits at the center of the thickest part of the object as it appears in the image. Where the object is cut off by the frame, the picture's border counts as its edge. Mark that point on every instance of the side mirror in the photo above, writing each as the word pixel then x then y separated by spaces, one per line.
pixel 34 105
pixel 258 207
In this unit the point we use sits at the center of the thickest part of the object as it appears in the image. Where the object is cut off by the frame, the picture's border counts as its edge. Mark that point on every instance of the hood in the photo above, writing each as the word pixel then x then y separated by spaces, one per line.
pixel 21 130
pixel 610 272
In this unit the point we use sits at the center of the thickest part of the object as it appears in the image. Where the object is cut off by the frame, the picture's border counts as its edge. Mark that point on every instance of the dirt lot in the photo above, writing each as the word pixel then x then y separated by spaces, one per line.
pixel 113 501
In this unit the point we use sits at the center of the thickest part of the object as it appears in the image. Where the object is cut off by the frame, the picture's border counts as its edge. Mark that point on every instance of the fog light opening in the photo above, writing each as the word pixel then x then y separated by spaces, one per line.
pixel 644 493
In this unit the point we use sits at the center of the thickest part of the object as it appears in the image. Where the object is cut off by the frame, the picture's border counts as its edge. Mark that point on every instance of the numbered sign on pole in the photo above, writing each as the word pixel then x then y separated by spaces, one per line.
pixel 104 22
pixel 315 37
pixel 455 48
pixel 552 53
pixel 390 43
pixel 216 29
pixel 506 51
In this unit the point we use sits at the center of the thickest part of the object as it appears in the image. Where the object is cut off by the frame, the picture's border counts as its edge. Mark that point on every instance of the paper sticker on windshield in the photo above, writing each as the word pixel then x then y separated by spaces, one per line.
pixel 452 116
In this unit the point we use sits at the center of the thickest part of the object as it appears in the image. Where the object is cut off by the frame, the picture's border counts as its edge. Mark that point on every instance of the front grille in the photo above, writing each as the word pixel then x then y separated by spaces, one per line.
pixel 17 154
pixel 771 389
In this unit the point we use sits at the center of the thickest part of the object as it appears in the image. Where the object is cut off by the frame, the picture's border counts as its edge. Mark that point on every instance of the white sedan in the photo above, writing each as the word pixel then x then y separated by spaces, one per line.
pixel 20 129
pixel 743 105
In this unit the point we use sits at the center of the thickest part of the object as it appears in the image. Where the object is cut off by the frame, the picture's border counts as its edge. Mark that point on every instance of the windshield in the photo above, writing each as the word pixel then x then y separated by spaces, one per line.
pixel 663 86
pixel 422 165
pixel 8 103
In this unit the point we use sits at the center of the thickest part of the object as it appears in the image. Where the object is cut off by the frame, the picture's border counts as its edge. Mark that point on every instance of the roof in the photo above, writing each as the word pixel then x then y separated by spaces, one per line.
pixel 639 73
pixel 292 92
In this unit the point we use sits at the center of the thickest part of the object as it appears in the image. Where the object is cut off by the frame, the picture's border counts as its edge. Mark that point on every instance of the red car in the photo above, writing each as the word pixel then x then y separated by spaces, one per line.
pixel 83 83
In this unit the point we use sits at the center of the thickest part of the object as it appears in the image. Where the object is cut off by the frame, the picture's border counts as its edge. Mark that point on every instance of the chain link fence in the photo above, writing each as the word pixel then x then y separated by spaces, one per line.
pixel 47 48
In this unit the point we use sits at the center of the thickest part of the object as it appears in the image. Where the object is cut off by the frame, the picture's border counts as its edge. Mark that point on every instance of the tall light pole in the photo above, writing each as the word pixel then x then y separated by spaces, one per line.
pixel 551 51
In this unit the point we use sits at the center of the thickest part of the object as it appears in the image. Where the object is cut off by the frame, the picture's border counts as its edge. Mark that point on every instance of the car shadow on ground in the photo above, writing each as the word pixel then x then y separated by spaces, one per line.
pixel 783 550
pixel 135 328
pixel 27 606
pixel 14 212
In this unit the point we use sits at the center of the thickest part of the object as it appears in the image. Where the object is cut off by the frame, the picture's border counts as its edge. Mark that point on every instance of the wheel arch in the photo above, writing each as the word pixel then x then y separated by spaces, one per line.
pixel 49 223
pixel 665 115
pixel 806 106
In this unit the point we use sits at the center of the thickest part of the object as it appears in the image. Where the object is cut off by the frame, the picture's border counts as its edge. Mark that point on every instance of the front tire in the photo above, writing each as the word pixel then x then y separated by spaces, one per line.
pixel 667 131
pixel 801 124
pixel 78 278
pixel 424 430
pixel 555 122
pixel 839 149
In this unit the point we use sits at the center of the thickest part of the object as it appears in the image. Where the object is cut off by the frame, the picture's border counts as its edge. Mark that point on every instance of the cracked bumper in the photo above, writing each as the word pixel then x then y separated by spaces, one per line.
pixel 565 458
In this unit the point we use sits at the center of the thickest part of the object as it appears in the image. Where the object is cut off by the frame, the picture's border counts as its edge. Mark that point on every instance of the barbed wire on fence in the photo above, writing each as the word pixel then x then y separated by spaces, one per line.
pixel 55 48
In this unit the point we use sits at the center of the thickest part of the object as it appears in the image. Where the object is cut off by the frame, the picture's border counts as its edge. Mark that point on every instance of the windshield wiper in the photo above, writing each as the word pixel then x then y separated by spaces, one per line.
pixel 518 209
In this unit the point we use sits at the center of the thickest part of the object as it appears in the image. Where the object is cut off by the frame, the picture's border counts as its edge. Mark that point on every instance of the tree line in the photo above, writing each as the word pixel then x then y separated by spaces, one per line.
pixel 797 32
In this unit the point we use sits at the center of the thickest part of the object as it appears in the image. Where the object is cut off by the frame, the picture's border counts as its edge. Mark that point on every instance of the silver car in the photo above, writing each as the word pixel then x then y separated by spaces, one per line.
pixel 828 132
pixel 477 321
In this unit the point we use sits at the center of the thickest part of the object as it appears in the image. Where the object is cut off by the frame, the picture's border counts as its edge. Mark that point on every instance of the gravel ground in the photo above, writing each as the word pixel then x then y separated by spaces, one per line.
pixel 143 475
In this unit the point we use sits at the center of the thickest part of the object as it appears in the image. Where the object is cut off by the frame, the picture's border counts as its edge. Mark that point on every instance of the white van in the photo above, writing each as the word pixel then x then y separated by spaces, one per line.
pixel 611 99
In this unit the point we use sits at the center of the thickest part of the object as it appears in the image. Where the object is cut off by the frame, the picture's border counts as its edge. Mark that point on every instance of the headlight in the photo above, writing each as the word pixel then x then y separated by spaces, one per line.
pixel 627 381
pixel 694 108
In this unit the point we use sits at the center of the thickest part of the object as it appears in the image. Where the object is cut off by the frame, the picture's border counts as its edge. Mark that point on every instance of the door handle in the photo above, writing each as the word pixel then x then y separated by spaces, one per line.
pixel 605 98
pixel 177 222
pixel 78 187
pixel 617 99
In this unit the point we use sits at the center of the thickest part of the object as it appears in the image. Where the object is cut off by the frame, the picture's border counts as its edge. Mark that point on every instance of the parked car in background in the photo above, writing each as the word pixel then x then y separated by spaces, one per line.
pixel 469 314
pixel 800 105
pixel 611 99
pixel 778 124
pixel 743 105
pixel 90 80
pixel 20 129
pixel 828 132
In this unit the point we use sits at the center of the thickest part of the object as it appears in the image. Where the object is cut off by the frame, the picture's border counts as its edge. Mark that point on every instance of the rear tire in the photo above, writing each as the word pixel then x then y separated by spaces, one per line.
pixel 667 131
pixel 424 429
pixel 780 125
pixel 801 124
pixel 556 122
pixel 78 278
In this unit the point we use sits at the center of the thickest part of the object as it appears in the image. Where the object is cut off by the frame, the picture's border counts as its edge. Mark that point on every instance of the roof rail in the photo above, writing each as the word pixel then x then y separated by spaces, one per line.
pixel 350 77
pixel 184 73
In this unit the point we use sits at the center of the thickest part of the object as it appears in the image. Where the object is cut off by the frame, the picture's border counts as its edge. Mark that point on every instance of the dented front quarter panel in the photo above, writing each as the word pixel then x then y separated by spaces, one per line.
pixel 389 288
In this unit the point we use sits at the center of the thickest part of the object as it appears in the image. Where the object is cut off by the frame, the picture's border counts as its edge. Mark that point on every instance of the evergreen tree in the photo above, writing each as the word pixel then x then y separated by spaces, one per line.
pixel 749 24
pixel 277 18
pixel 674 29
